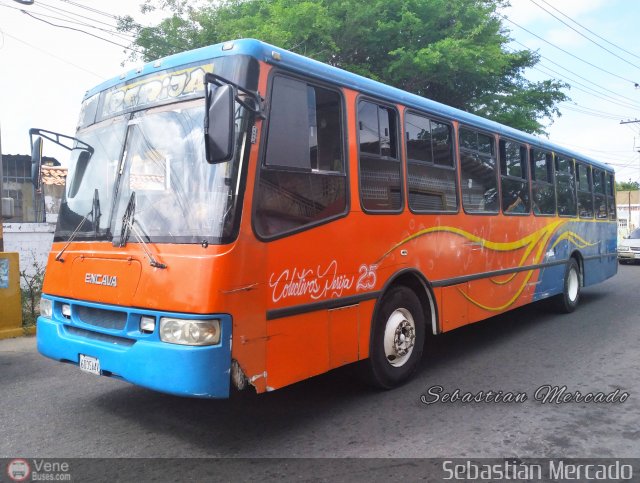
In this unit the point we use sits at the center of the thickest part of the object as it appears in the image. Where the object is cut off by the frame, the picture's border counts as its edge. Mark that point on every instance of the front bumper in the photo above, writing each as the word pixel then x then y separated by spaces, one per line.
pixel 628 255
pixel 128 354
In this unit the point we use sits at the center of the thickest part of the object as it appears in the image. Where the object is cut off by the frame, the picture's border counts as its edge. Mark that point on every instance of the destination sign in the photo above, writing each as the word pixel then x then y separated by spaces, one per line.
pixel 155 89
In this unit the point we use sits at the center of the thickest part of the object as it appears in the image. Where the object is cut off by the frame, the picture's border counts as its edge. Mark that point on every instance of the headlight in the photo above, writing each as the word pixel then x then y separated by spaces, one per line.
pixel 46 307
pixel 189 332
pixel 623 249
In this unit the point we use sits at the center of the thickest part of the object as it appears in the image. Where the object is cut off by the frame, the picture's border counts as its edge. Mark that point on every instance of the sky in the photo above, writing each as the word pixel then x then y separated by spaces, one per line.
pixel 45 70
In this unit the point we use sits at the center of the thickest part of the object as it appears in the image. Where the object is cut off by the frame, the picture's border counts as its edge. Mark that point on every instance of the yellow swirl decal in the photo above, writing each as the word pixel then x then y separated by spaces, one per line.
pixel 533 243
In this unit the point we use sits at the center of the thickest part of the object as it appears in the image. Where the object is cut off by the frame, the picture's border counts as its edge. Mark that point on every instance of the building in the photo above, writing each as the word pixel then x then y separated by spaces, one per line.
pixel 628 208
pixel 30 230
pixel 29 206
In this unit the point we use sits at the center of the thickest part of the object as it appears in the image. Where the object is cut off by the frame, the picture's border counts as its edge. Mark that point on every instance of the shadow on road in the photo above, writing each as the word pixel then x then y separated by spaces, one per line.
pixel 247 423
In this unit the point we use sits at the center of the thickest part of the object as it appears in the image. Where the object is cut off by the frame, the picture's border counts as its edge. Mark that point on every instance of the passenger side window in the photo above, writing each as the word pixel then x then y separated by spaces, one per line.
pixel 380 175
pixel 585 191
pixel 478 172
pixel 542 188
pixel 431 174
pixel 514 178
pixel 599 195
pixel 611 196
pixel 566 186
pixel 302 180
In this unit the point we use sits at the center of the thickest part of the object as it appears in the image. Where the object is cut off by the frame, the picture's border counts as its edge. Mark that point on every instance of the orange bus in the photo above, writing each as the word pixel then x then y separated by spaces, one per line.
pixel 240 215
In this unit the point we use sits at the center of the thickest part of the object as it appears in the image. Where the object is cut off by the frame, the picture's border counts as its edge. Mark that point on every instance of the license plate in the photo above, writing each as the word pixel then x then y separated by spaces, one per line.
pixel 90 364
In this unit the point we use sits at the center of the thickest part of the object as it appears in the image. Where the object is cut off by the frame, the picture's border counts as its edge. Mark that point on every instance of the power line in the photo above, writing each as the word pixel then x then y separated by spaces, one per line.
pixel 591 31
pixel 75 14
pixel 54 56
pixel 90 9
pixel 75 22
pixel 583 35
pixel 591 112
pixel 588 90
pixel 81 31
pixel 577 75
pixel 569 53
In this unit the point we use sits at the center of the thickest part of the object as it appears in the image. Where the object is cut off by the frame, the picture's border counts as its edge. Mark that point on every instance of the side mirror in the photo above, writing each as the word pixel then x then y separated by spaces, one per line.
pixel 219 126
pixel 36 162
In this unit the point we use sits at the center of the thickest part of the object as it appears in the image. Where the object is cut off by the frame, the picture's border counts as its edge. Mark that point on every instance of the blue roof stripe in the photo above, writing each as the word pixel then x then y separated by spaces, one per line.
pixel 304 65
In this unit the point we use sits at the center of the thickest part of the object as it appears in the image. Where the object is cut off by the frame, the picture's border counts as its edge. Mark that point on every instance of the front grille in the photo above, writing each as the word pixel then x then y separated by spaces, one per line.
pixel 111 339
pixel 107 319
pixel 635 249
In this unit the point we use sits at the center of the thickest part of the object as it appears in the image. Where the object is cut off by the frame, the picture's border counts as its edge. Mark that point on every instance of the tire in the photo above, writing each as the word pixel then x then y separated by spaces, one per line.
pixel 397 339
pixel 567 301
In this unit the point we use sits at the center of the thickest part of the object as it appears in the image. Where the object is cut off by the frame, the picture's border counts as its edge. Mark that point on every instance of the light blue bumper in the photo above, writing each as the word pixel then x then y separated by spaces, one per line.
pixel 138 358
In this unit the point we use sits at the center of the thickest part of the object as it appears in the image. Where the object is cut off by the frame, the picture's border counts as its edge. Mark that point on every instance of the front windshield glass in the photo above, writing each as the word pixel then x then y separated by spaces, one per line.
pixel 179 197
pixel 90 181
pixel 635 233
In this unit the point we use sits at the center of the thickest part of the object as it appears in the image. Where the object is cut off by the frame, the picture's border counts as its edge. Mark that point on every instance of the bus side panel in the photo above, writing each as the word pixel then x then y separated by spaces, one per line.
pixel 343 335
pixel 298 348
pixel 364 327
pixel 453 307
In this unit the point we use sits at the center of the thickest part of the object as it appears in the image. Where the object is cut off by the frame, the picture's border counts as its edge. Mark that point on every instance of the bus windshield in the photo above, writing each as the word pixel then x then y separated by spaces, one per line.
pixel 157 153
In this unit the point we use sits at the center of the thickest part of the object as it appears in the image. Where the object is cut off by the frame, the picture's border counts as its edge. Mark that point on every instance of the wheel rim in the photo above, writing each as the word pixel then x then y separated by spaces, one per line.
pixel 572 285
pixel 399 337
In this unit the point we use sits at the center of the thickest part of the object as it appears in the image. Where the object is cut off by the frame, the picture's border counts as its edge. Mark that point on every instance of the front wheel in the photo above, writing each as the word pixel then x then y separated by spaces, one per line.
pixel 397 338
pixel 567 301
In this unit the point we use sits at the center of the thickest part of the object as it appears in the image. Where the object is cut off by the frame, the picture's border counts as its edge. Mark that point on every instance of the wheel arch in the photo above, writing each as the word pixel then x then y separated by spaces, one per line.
pixel 577 256
pixel 418 283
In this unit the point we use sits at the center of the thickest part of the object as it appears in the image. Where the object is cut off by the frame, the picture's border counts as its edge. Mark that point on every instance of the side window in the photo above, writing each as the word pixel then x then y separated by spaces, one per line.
pixel 380 176
pixel 542 189
pixel 599 195
pixel 566 186
pixel 431 174
pixel 513 178
pixel 585 190
pixel 302 180
pixel 611 196
pixel 478 175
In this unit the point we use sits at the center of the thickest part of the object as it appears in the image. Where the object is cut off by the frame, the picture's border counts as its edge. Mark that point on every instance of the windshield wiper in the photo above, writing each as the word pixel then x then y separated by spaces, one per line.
pixel 128 227
pixel 95 215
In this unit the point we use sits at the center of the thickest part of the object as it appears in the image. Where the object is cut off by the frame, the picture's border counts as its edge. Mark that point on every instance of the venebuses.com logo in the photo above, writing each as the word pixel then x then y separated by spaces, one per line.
pixel 18 469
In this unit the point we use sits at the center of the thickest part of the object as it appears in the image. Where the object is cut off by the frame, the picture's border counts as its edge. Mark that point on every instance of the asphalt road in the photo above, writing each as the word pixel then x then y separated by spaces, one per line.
pixel 50 410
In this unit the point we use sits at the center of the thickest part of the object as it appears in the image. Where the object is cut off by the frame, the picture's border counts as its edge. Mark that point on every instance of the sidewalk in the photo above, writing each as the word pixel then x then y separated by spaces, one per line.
pixel 18 344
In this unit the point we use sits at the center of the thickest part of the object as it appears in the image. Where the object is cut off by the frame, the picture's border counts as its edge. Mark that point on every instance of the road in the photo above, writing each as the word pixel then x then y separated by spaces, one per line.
pixel 50 410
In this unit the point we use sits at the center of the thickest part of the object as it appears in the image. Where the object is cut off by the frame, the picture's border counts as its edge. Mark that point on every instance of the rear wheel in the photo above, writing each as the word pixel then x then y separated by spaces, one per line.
pixel 567 301
pixel 397 338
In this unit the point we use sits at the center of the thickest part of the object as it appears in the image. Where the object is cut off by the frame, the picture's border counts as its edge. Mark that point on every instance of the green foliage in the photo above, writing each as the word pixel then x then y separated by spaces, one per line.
pixel 452 51
pixel 627 185
pixel 31 290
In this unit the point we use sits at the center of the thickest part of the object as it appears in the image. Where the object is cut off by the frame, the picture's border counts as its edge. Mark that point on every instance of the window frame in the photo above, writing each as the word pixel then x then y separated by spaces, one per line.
pixel 534 180
pixel 556 159
pixel 454 158
pixel 579 165
pixel 603 176
pixel 399 150
pixel 262 152
pixel 496 169
pixel 610 182
pixel 526 178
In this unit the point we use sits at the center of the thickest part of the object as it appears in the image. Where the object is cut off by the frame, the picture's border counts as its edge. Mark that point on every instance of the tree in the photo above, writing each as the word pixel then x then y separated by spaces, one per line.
pixel 627 185
pixel 452 51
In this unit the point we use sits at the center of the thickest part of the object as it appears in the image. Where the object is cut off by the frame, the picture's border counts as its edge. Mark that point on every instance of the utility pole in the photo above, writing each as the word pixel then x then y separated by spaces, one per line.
pixel 630 121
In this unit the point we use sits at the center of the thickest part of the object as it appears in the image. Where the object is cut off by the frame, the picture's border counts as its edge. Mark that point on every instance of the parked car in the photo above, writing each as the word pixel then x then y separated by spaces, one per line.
pixel 629 248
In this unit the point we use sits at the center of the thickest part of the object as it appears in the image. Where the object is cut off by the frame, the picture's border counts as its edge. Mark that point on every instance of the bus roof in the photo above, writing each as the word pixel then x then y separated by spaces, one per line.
pixel 309 67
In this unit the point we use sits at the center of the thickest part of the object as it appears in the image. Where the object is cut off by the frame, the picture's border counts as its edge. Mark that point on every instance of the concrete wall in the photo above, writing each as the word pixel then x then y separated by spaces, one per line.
pixel 32 241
